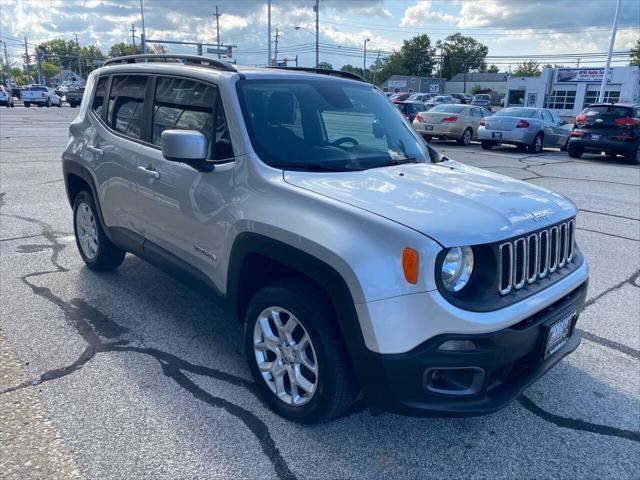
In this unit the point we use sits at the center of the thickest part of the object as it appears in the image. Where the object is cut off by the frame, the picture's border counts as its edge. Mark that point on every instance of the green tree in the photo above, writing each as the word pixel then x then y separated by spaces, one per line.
pixel 415 57
pixel 529 68
pixel 491 69
pixel 351 69
pixel 325 66
pixel 64 54
pixel 635 55
pixel 462 54
pixel 122 49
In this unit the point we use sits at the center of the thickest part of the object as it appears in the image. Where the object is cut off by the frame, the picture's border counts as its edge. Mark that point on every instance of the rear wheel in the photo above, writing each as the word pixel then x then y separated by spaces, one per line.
pixel 536 145
pixel 467 135
pixel 27 104
pixel 574 151
pixel 97 251
pixel 296 353
pixel 487 144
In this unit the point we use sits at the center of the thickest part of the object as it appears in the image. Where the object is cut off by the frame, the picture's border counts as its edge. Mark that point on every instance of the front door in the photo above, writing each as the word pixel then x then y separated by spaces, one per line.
pixel 185 208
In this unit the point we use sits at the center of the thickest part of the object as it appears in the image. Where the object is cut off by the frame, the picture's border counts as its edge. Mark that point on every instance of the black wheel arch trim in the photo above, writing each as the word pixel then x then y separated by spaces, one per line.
pixel 363 360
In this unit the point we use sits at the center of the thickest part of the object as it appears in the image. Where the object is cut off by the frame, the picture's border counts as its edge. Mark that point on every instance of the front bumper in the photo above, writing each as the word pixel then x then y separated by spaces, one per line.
pixel 511 359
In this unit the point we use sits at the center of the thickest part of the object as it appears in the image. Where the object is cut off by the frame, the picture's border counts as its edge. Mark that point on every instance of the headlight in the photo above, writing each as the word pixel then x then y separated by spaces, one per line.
pixel 456 268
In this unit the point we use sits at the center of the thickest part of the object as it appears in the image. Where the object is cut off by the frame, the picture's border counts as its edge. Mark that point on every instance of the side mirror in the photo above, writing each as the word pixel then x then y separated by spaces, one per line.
pixel 188 146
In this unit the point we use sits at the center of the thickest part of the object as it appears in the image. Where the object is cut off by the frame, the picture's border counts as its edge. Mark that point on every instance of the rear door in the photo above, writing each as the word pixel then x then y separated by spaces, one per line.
pixel 185 209
pixel 549 129
pixel 475 116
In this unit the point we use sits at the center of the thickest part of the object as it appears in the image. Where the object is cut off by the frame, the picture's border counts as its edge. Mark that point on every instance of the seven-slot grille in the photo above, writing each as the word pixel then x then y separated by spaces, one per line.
pixel 526 259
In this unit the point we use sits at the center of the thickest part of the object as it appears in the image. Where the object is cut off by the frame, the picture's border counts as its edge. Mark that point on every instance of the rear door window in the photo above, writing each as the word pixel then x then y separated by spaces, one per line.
pixel 188 105
pixel 126 104
pixel 546 116
pixel 98 98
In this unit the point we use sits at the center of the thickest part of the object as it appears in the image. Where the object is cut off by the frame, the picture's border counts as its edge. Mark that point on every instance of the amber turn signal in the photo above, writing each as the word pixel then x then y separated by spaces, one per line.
pixel 410 265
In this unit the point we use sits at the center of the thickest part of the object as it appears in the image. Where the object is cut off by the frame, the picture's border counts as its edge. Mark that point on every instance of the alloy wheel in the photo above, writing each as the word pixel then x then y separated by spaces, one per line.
pixel 285 356
pixel 87 231
pixel 466 137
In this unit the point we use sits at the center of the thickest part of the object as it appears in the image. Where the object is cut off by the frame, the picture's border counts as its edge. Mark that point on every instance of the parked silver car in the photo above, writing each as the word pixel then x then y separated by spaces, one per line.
pixel 526 128
pixel 450 122
pixel 357 258
pixel 482 100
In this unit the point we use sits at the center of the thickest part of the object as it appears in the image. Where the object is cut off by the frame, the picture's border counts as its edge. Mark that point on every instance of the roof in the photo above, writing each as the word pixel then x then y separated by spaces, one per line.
pixel 480 77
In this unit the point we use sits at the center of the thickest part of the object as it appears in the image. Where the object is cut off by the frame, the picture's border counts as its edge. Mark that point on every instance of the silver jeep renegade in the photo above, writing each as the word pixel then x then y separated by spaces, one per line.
pixel 358 258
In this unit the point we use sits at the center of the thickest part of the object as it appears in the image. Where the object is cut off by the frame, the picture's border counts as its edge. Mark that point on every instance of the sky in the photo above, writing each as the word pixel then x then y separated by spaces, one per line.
pixel 507 27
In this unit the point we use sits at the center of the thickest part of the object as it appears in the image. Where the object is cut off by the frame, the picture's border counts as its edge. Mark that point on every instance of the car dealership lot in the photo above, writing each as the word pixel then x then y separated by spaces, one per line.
pixel 132 374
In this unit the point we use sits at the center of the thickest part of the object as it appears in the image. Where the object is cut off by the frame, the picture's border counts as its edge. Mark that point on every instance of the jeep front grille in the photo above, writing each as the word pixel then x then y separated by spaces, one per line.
pixel 527 259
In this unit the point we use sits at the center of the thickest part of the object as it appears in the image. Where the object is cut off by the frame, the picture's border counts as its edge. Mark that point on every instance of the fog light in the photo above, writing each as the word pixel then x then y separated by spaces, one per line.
pixel 454 380
pixel 450 345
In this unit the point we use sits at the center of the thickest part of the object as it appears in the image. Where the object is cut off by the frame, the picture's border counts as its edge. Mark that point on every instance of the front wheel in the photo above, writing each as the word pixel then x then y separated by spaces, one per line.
pixel 574 151
pixel 536 145
pixel 487 144
pixel 296 354
pixel 467 135
pixel 97 251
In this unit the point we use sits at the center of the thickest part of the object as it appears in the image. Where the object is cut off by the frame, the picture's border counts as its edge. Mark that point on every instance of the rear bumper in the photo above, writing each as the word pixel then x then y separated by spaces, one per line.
pixel 438 129
pixel 34 100
pixel 519 136
pixel 604 144
pixel 506 362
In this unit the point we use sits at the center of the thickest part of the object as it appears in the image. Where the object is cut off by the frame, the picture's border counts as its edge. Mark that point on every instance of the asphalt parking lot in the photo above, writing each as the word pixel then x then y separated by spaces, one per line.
pixel 133 375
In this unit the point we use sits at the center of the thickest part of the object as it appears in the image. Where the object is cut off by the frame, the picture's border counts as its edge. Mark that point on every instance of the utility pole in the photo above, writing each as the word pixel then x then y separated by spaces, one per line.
pixel 316 9
pixel 364 61
pixel 373 81
pixel 296 58
pixel 217 15
pixel 26 56
pixel 133 37
pixel 275 55
pixel 143 36
pixel 269 31
pixel 79 58
pixel 6 60
pixel 612 41
pixel 39 63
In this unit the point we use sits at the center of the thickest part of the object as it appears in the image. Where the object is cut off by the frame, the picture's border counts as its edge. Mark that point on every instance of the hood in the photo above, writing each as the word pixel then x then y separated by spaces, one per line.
pixel 452 203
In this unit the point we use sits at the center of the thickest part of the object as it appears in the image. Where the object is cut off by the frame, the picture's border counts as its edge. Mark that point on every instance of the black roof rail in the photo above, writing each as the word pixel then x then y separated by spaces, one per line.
pixel 185 59
pixel 323 71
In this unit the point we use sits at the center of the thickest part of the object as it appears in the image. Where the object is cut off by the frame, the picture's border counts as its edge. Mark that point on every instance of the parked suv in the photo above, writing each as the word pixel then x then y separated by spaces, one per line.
pixel 607 127
pixel 357 257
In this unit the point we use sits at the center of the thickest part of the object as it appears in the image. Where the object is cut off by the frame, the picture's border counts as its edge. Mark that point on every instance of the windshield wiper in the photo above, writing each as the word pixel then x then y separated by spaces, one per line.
pixel 311 166
pixel 393 162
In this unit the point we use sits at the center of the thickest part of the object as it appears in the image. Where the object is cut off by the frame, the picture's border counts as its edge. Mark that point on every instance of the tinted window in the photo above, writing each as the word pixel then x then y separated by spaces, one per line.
pixel 98 98
pixel 447 108
pixel 188 105
pixel 516 112
pixel 38 89
pixel 126 104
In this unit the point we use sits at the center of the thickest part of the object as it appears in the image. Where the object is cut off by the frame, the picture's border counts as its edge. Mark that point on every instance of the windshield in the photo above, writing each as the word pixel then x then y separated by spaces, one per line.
pixel 482 97
pixel 447 108
pixel 326 125
pixel 515 112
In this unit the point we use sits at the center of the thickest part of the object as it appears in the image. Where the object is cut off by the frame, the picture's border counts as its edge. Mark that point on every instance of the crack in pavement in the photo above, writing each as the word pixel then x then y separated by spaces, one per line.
pixel 622 237
pixel 576 424
pixel 91 323
pixel 610 215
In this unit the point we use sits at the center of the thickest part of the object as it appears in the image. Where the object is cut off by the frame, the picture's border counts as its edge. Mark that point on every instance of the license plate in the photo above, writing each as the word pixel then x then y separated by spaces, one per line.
pixel 496 134
pixel 558 334
pixel 595 137
pixel 428 128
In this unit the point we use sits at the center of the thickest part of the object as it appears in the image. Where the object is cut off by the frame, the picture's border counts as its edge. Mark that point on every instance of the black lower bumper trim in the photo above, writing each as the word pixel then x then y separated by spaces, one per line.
pixel 512 359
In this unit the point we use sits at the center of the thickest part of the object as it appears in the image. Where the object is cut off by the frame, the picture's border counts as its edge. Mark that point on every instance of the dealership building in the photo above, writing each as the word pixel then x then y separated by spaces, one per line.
pixel 568 90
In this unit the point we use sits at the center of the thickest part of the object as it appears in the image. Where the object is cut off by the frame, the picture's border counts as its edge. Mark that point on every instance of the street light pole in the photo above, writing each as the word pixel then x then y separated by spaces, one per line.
pixel 6 60
pixel 143 37
pixel 315 8
pixel 612 41
pixel 364 61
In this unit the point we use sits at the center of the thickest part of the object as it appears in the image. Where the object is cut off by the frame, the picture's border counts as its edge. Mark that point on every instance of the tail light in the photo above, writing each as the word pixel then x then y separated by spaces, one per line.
pixel 627 121
pixel 581 118
pixel 482 122
pixel 419 118
pixel 522 124
pixel 624 138
pixel 577 133
pixel 450 119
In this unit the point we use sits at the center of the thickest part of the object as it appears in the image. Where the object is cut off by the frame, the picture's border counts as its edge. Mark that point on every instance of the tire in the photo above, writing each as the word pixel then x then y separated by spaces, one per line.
pixel 335 387
pixel 574 151
pixel 72 105
pixel 487 144
pixel 59 104
pixel 27 104
pixel 48 103
pixel 467 135
pixel 633 157
pixel 565 146
pixel 536 144
pixel 104 255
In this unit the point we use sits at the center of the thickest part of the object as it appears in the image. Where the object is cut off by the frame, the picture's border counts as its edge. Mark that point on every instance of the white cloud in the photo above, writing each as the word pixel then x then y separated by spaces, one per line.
pixel 422 13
